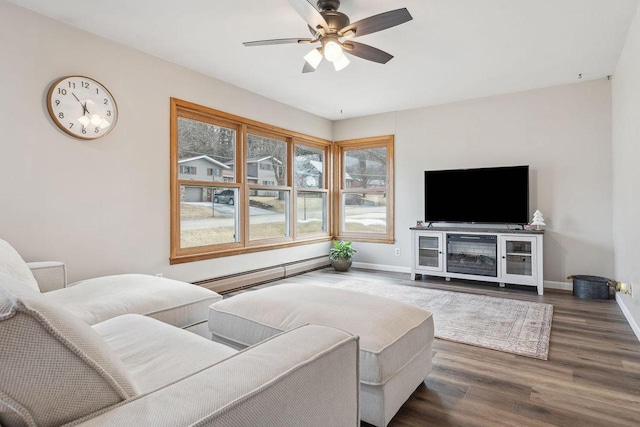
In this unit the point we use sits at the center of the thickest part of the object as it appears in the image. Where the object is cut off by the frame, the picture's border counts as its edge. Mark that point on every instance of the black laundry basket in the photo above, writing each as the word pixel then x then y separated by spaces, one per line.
pixel 591 287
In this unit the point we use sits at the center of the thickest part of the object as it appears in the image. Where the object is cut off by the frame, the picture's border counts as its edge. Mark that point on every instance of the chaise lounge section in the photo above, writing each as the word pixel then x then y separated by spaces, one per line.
pixel 95 300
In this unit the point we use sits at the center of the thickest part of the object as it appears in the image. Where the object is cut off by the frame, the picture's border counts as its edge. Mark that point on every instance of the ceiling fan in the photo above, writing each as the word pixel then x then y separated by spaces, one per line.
pixel 334 31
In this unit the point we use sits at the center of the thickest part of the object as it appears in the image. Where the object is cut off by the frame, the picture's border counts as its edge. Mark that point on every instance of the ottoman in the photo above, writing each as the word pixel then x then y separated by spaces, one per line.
pixel 395 338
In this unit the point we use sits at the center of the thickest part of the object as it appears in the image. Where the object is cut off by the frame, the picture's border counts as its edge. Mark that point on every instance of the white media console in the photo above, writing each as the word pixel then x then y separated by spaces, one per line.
pixel 491 255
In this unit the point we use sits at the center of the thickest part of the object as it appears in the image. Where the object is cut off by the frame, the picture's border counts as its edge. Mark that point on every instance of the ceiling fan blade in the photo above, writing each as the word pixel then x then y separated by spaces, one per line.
pixel 378 22
pixel 367 52
pixel 309 13
pixel 307 68
pixel 277 41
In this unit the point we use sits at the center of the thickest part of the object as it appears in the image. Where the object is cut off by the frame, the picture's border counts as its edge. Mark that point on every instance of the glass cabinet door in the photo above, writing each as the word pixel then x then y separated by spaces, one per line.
pixel 518 258
pixel 429 252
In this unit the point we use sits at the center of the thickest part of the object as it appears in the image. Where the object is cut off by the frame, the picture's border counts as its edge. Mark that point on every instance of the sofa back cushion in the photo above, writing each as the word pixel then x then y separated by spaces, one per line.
pixel 11 263
pixel 53 367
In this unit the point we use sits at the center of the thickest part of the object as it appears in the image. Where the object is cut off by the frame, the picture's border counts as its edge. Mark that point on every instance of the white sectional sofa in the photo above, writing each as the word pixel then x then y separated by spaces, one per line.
pixel 133 370
pixel 95 300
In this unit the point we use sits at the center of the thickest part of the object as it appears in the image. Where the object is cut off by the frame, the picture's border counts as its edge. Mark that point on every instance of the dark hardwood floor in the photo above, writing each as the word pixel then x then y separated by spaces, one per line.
pixel 592 377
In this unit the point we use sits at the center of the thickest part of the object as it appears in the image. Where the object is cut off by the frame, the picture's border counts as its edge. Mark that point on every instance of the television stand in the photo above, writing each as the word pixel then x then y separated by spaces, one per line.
pixel 502 256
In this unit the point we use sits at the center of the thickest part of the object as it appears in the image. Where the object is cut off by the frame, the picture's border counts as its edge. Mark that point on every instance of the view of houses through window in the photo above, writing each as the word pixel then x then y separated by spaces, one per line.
pixel 310 184
pixel 239 186
pixel 267 167
pixel 208 213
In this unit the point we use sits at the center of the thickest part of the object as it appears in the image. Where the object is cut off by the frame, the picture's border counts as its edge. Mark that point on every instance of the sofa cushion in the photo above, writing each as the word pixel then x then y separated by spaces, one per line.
pixel 391 333
pixel 96 300
pixel 54 368
pixel 156 354
pixel 12 264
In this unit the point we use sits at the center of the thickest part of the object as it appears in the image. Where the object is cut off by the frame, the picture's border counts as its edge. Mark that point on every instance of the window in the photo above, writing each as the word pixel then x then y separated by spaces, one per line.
pixel 188 170
pixel 311 189
pixel 364 190
pixel 269 208
pixel 250 198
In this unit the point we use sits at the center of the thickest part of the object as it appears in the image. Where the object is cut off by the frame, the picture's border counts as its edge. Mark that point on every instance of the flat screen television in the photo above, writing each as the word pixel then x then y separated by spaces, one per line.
pixel 487 195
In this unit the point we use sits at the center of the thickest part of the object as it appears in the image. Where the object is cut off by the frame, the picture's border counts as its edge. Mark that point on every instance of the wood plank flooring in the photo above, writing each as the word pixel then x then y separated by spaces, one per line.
pixel 592 377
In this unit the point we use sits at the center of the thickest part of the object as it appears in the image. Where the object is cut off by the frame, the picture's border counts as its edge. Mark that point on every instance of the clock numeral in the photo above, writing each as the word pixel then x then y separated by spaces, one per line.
pixel 108 112
pixel 61 115
pixel 72 85
pixel 84 131
pixel 70 125
pixel 106 101
pixel 85 85
pixel 62 91
pixel 97 91
pixel 57 102
pixel 97 129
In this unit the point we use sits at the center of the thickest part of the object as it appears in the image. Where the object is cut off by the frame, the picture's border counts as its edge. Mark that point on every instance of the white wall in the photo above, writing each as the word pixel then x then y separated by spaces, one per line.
pixel 626 173
pixel 563 133
pixel 103 206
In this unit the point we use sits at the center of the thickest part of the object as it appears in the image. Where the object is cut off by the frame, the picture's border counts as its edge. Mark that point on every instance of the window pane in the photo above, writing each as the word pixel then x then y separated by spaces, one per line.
pixel 266 161
pixel 208 216
pixel 365 213
pixel 365 168
pixel 309 170
pixel 312 212
pixel 268 214
pixel 205 152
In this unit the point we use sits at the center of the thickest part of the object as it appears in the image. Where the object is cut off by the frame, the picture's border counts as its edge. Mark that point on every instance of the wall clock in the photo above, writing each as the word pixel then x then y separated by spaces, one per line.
pixel 82 107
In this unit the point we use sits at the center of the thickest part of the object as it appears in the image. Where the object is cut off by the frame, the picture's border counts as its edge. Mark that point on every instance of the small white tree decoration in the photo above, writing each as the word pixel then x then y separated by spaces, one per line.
pixel 538 219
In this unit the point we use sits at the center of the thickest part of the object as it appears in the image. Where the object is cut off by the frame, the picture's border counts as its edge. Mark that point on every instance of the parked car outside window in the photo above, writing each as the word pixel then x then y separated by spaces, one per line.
pixel 225 196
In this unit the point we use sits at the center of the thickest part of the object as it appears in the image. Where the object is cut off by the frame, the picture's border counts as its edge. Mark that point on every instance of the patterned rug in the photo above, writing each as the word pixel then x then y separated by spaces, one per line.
pixel 512 326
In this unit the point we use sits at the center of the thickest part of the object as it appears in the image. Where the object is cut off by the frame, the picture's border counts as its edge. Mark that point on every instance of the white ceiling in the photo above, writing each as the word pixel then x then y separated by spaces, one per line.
pixel 452 50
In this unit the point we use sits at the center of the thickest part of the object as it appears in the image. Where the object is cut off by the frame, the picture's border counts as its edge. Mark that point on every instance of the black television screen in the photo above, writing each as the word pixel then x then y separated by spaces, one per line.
pixel 487 195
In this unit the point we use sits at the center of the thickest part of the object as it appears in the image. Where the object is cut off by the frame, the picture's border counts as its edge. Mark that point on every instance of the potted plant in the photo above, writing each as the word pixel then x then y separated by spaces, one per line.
pixel 340 255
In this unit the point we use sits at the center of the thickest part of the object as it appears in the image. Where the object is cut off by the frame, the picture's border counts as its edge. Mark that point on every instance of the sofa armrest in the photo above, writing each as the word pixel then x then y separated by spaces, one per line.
pixel 50 275
pixel 307 376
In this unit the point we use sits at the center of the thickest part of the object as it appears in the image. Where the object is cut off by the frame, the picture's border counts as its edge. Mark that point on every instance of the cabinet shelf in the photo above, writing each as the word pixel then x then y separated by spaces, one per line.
pixel 518 254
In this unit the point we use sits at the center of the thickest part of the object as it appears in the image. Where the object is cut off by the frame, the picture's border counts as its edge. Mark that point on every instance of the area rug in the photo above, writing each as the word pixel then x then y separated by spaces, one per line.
pixel 512 326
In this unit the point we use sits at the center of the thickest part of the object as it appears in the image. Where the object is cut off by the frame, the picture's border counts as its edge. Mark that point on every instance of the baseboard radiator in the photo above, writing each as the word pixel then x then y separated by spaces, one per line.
pixel 250 278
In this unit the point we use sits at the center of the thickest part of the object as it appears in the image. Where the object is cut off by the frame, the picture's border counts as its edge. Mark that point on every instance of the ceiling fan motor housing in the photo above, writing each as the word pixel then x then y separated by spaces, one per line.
pixel 335 20
pixel 329 4
pixel 329 11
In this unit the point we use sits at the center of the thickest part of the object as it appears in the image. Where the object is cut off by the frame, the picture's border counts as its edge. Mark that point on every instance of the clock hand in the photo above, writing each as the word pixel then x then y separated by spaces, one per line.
pixel 84 105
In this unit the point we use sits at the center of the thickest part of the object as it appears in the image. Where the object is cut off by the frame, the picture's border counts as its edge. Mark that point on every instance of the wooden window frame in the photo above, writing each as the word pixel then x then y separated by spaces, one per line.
pixel 243 126
pixel 339 189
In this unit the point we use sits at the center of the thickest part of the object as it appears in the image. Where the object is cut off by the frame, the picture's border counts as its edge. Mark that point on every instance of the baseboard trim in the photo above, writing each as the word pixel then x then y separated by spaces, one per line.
pixel 565 286
pixel 627 314
pixel 382 267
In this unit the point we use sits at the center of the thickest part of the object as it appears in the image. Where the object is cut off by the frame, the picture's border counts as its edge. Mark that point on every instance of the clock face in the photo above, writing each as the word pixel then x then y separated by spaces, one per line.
pixel 82 107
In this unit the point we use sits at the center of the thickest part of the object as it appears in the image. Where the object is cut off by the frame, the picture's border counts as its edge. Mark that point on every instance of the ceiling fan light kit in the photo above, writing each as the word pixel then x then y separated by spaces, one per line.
pixel 328 26
pixel 314 58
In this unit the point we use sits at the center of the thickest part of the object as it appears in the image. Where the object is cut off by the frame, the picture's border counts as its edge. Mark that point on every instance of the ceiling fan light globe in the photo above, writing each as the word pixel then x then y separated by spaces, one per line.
pixel 332 51
pixel 341 62
pixel 313 58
